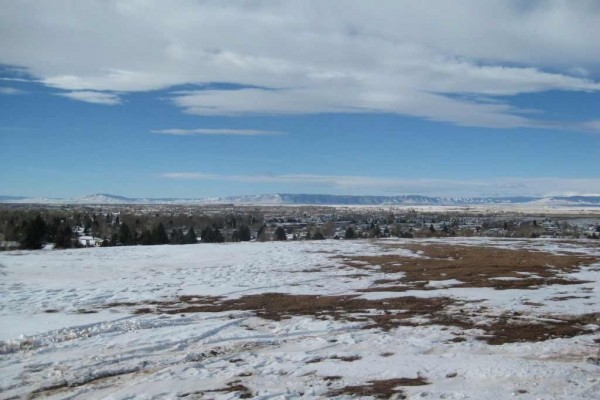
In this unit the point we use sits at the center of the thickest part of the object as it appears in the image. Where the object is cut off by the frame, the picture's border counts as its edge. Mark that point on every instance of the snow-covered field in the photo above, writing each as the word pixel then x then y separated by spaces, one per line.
pixel 350 319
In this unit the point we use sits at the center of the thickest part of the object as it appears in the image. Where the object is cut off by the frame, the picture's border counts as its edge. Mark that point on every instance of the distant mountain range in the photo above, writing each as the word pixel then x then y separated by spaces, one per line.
pixel 319 199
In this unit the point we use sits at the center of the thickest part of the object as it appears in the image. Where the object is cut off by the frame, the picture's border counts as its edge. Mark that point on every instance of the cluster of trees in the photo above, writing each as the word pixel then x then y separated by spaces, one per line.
pixel 212 234
pixel 127 236
pixel 36 232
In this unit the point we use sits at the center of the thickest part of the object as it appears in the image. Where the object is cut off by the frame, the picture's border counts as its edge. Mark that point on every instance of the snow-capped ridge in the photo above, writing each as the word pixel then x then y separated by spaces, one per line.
pixel 320 199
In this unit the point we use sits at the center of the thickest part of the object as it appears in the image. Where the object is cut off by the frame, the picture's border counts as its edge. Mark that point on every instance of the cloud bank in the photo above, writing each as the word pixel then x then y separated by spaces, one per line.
pixel 457 62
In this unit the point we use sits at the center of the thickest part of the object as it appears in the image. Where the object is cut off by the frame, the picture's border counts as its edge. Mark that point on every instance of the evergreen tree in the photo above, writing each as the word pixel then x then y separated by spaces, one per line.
pixel 190 236
pixel 244 234
pixel 159 234
pixel 52 228
pixel 64 237
pixel 279 234
pixel 211 235
pixel 87 224
pixel 125 236
pixel 34 233
pixel 350 234
pixel 261 234
pixel 177 236
pixel 318 236
pixel 146 238
pixel 376 231
pixel 135 239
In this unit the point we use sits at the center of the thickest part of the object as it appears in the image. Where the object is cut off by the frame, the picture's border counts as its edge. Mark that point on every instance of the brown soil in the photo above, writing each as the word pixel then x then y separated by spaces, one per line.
pixel 473 266
pixel 391 313
pixel 232 387
pixel 235 387
pixel 277 306
pixel 61 386
pixel 381 389
pixel 505 330
pixel 346 358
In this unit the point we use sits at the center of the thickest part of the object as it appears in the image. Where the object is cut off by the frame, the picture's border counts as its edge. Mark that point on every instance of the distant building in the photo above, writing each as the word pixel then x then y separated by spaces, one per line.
pixel 89 241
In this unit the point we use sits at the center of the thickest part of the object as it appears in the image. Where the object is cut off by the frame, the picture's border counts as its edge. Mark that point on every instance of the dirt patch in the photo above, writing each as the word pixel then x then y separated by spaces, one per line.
pixel 472 266
pixel 84 311
pixel 386 314
pixel 61 386
pixel 563 298
pixel 380 389
pixel 234 387
pixel 510 330
pixel 346 358
pixel 276 306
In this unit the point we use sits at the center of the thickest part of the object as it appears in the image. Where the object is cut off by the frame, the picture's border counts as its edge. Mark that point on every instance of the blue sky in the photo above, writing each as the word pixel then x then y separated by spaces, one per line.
pixel 204 99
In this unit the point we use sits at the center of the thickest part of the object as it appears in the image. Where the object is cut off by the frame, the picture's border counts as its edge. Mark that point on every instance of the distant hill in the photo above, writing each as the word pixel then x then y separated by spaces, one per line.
pixel 8 199
pixel 319 199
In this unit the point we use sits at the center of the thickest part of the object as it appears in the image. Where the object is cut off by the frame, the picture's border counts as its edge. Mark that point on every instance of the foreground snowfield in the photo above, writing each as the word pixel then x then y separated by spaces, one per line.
pixel 200 321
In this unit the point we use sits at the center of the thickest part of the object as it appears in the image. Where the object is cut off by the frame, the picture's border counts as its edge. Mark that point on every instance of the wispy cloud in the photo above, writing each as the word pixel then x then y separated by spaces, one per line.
pixel 10 91
pixel 110 99
pixel 535 186
pixel 216 132
pixel 189 176
pixel 592 126
pixel 401 57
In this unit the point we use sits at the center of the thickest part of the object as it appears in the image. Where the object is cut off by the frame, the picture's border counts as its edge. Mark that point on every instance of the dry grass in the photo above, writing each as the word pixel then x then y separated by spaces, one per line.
pixel 473 266
pixel 507 330
pixel 380 389
pixel 390 313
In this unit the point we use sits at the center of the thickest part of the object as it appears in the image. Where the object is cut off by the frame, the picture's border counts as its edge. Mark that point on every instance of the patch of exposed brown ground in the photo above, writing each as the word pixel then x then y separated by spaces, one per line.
pixel 386 314
pixel 380 389
pixel 277 306
pixel 473 266
pixel 509 330
pixel 232 387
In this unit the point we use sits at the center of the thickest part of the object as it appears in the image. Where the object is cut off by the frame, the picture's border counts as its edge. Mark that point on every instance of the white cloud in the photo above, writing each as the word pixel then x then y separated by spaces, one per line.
pixel 189 176
pixel 93 97
pixel 11 91
pixel 216 132
pixel 406 57
pixel 593 125
pixel 544 186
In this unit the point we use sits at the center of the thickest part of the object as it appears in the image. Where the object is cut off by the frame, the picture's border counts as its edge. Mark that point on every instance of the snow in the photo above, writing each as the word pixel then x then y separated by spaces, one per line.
pixel 66 322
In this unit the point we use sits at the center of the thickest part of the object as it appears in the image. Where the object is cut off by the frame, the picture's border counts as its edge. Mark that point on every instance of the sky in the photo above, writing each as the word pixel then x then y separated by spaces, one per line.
pixel 218 98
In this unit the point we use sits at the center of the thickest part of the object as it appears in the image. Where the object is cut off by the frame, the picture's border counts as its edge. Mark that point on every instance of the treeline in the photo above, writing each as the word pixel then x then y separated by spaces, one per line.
pixel 67 228
pixel 37 232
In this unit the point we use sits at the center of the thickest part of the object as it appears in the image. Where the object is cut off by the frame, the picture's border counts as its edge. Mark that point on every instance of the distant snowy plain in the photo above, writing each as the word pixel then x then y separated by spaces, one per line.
pixel 69 327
